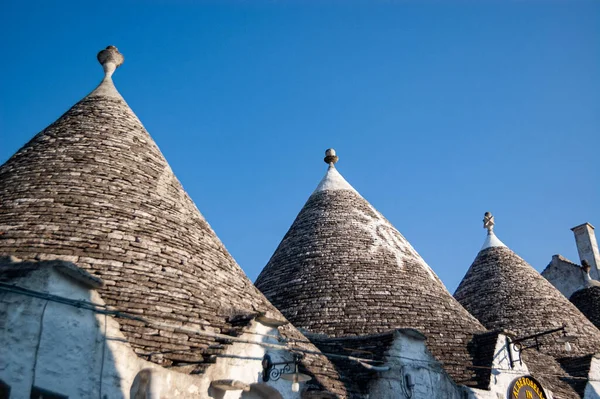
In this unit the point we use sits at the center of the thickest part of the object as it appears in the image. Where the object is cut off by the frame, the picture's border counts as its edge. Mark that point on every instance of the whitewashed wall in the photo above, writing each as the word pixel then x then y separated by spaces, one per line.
pixel 69 343
pixel 502 374
pixel 409 356
pixel 74 358
pixel 564 275
pixel 241 362
pixel 60 348
pixel 244 363
pixel 592 390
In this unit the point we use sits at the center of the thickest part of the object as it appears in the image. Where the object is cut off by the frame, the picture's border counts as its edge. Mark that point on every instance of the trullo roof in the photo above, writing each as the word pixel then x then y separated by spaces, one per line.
pixel 342 269
pixel 587 301
pixel 505 292
pixel 94 189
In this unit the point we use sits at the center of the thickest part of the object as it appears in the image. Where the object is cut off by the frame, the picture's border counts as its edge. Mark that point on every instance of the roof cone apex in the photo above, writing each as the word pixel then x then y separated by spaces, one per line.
pixel 333 180
pixel 110 58
pixel 491 239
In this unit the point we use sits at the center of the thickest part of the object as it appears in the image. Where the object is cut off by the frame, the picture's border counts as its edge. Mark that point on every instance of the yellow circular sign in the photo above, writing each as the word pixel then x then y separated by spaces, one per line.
pixel 526 388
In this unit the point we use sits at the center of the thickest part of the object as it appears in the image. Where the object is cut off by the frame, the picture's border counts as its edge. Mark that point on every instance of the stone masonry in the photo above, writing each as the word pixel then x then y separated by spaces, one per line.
pixel 94 189
pixel 343 270
pixel 587 301
pixel 505 292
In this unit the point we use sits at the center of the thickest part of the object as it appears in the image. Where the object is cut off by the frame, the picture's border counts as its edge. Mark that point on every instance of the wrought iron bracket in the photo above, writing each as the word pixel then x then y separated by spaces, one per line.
pixel 272 371
pixel 518 347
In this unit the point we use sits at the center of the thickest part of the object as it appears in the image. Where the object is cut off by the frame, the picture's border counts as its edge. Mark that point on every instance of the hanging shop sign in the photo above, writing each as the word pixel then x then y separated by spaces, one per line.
pixel 526 388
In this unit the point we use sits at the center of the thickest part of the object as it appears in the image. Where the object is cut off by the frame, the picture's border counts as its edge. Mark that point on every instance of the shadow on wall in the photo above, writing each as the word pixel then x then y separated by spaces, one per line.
pixel 56 349
pixel 255 391
pixel 54 346
pixel 261 391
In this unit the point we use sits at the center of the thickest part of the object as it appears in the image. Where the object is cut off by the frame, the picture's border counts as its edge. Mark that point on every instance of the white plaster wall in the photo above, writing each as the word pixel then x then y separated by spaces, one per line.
pixel 408 355
pixel 19 330
pixel 502 374
pixel 566 277
pixel 592 390
pixel 241 361
pixel 70 344
pixel 245 364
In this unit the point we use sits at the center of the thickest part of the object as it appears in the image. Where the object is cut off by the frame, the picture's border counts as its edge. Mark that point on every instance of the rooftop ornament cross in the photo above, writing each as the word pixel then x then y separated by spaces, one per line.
pixel 518 346
pixel 275 370
pixel 488 222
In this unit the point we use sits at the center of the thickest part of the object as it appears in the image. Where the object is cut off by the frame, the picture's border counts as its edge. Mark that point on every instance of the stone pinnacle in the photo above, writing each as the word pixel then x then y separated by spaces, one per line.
pixel 110 59
pixel 330 157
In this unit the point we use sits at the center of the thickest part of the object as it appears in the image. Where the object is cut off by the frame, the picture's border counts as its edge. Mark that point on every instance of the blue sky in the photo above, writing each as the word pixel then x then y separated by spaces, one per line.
pixel 439 111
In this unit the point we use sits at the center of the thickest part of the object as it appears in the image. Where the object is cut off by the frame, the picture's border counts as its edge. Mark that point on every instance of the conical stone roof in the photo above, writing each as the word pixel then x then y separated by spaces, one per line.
pixel 505 292
pixel 587 298
pixel 94 189
pixel 342 269
pixel 587 301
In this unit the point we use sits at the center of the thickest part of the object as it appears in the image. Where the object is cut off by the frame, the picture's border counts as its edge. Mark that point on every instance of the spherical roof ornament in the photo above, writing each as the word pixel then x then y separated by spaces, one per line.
pixel 110 58
pixel 330 157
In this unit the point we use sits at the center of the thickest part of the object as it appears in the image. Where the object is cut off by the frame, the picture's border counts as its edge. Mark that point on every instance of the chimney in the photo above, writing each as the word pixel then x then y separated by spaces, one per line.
pixel 587 246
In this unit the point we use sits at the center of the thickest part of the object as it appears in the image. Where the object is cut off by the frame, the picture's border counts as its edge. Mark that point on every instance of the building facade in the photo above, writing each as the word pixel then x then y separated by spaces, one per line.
pixel 113 285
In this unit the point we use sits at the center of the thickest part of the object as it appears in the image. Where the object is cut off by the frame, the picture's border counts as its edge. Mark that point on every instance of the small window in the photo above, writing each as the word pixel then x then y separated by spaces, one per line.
pixel 4 390
pixel 38 393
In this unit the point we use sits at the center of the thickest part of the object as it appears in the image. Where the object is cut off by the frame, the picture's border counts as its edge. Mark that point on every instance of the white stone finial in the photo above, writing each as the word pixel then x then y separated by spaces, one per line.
pixel 333 180
pixel 491 240
pixel 488 222
pixel 330 157
pixel 110 58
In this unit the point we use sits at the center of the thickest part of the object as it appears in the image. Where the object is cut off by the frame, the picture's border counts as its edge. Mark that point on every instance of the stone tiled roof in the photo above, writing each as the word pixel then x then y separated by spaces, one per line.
pixel 578 367
pixel 94 189
pixel 587 301
pixel 343 270
pixel 483 346
pixel 327 380
pixel 505 292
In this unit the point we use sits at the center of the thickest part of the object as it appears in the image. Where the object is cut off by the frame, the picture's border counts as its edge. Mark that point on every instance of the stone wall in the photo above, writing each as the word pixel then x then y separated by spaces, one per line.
pixel 79 353
pixel 565 275
pixel 408 356
pixel 414 373
pixel 64 349
pixel 592 390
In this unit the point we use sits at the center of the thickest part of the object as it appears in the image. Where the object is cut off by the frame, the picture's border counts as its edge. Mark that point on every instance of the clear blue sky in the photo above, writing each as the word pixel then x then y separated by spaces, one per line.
pixel 439 111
